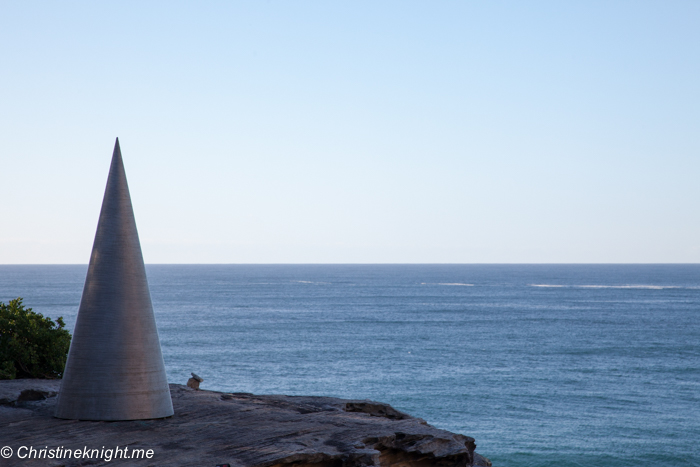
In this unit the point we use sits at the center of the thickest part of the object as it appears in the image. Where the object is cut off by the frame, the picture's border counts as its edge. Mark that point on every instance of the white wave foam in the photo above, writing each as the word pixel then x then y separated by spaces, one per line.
pixel 632 286
pixel 447 283
pixel 652 287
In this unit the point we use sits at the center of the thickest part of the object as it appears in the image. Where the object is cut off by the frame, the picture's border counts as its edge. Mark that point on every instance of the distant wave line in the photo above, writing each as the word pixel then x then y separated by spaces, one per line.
pixel 447 283
pixel 648 287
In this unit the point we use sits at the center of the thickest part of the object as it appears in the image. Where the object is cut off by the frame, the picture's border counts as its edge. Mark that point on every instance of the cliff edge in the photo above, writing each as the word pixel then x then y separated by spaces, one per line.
pixel 214 428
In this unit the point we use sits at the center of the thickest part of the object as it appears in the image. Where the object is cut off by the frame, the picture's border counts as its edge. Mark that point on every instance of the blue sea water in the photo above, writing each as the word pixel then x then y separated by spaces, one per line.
pixel 545 365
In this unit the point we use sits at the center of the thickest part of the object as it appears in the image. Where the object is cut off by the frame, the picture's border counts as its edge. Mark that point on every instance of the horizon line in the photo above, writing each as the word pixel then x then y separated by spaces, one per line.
pixel 376 264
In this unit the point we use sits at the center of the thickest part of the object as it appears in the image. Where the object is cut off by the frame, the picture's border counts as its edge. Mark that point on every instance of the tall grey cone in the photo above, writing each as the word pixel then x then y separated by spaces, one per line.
pixel 115 368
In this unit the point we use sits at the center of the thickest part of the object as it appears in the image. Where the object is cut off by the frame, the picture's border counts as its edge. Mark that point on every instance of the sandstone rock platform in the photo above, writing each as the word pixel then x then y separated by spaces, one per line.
pixel 244 430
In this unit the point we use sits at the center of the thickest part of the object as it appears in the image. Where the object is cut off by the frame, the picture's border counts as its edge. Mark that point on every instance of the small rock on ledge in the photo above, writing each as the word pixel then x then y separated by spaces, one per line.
pixel 194 381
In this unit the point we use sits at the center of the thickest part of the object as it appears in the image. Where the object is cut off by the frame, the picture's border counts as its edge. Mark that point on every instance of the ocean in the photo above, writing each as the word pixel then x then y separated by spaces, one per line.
pixel 545 365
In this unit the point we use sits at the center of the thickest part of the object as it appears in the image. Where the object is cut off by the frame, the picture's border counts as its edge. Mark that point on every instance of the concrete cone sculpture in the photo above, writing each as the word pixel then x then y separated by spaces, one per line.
pixel 115 368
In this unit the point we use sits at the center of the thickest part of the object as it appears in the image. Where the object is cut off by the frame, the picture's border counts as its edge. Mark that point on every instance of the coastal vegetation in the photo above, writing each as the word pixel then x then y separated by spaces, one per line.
pixel 31 346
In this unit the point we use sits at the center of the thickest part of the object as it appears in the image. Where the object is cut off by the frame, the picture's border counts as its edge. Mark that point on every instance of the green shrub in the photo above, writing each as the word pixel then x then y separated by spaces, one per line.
pixel 31 346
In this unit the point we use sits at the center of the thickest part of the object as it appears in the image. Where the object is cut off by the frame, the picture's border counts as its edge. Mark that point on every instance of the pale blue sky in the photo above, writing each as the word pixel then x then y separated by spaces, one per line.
pixel 313 132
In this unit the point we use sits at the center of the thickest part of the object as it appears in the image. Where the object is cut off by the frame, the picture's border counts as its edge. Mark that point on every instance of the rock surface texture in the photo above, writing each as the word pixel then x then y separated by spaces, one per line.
pixel 213 428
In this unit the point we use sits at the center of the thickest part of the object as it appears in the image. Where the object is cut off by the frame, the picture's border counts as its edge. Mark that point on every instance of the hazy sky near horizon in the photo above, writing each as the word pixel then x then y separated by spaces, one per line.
pixel 355 132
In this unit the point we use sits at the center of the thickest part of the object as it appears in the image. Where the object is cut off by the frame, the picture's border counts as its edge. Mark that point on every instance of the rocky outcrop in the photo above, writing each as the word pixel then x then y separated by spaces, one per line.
pixel 213 428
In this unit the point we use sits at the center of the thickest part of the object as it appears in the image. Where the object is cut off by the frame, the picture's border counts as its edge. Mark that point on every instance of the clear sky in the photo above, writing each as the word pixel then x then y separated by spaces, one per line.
pixel 363 131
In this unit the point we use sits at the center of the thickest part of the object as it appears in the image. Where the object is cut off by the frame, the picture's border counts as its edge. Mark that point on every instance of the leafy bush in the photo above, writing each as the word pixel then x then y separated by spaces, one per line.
pixel 31 346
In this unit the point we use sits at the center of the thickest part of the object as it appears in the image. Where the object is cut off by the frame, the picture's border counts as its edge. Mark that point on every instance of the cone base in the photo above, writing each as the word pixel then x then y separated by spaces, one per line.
pixel 115 407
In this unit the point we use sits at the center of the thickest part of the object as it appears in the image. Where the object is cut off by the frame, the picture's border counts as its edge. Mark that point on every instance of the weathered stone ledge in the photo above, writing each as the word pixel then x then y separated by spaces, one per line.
pixel 240 429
